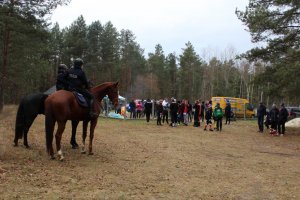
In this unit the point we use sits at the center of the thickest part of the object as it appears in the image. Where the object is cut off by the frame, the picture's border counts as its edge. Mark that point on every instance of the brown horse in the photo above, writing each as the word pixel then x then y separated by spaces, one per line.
pixel 62 106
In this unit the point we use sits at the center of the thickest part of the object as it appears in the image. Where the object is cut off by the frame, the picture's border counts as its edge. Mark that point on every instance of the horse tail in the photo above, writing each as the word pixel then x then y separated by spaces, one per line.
pixel 20 121
pixel 49 125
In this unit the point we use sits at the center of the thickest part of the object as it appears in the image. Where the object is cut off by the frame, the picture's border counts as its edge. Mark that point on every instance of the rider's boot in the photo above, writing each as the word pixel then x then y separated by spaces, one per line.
pixel 92 113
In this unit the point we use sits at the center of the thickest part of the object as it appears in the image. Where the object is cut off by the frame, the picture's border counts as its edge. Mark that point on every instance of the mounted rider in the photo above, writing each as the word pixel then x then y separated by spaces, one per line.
pixel 78 82
pixel 61 81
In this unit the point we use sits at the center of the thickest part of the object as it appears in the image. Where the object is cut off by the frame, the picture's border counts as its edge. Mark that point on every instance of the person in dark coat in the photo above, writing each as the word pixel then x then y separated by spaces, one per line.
pixel 227 113
pixel 61 79
pixel 202 111
pixel 274 112
pixel 78 82
pixel 261 112
pixel 132 110
pixel 197 113
pixel 173 112
pixel 190 111
pixel 282 118
pixel 148 109
pixel 208 116
pixel 159 110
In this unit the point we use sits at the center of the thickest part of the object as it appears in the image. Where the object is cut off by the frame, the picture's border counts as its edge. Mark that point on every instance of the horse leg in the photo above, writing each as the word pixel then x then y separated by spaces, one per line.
pixel 27 126
pixel 25 141
pixel 92 128
pixel 84 133
pixel 60 129
pixel 49 136
pixel 73 138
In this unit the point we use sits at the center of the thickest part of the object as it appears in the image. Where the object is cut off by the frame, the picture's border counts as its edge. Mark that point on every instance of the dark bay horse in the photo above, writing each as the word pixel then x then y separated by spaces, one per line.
pixel 62 106
pixel 29 108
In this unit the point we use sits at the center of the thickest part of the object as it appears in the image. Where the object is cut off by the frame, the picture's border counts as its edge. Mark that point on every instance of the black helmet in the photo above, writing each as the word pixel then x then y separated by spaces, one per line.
pixel 62 68
pixel 78 62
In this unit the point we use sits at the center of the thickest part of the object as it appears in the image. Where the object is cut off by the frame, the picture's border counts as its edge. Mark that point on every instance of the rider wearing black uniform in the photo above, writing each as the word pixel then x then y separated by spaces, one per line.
pixel 78 82
pixel 61 81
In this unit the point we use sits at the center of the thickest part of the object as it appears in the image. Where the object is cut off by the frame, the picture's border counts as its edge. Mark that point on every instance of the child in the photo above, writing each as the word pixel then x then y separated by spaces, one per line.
pixel 218 115
pixel 208 115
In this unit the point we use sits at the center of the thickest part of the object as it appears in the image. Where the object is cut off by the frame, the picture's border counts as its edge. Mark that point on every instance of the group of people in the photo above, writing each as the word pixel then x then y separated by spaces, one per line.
pixel 274 119
pixel 183 112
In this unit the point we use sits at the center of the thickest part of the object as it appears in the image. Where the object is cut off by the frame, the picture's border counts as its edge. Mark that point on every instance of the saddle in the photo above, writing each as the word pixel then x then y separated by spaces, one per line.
pixel 81 100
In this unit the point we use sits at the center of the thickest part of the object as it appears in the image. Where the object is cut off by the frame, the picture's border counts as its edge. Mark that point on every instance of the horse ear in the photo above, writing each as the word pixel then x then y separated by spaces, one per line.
pixel 117 83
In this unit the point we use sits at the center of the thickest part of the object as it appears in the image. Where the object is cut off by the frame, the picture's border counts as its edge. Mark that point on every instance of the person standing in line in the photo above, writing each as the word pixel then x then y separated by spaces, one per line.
pixel 261 112
pixel 190 111
pixel 185 109
pixel 208 116
pixel 132 107
pixel 202 111
pixel 227 113
pixel 274 112
pixel 197 114
pixel 283 115
pixel 180 112
pixel 139 109
pixel 148 109
pixel 218 115
pixel 173 112
pixel 159 110
pixel 165 113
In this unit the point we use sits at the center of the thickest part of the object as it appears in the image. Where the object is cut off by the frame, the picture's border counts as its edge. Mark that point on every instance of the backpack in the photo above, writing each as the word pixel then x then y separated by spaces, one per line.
pixel 218 113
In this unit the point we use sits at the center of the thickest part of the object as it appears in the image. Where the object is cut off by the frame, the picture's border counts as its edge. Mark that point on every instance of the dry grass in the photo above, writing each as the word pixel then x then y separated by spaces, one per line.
pixel 134 160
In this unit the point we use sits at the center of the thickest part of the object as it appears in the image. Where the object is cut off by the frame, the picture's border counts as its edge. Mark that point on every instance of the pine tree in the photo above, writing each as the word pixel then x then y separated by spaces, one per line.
pixel 277 24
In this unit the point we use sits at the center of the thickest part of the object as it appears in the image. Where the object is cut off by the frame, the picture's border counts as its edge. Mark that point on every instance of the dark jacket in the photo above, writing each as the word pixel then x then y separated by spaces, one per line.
pixel 159 109
pixel 208 113
pixel 148 107
pixel 228 111
pixel 61 81
pixel 174 107
pixel 274 112
pixel 77 78
pixel 197 108
pixel 202 109
pixel 132 106
pixel 261 111
pixel 283 115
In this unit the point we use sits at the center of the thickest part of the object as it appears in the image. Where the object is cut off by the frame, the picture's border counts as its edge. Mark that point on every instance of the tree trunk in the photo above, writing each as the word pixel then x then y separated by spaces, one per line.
pixel 6 42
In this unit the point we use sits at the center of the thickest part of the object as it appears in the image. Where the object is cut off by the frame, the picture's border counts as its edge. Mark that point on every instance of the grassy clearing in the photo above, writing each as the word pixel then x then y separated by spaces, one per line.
pixel 135 160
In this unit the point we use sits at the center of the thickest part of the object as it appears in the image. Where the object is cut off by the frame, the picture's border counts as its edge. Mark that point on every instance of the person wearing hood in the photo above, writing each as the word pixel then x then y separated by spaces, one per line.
pixel 282 118
pixel 274 114
pixel 261 112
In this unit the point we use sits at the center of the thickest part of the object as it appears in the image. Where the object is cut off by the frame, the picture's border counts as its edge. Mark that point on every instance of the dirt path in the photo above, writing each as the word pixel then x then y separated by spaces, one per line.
pixel 134 160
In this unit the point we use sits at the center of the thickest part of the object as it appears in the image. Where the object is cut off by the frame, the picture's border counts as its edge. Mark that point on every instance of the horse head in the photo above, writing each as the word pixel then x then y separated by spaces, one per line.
pixel 113 93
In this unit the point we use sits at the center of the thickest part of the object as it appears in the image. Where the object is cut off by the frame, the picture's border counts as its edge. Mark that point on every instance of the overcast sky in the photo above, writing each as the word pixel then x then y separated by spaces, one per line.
pixel 208 24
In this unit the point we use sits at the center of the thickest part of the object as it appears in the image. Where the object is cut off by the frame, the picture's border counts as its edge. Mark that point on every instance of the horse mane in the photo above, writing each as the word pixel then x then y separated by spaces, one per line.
pixel 100 90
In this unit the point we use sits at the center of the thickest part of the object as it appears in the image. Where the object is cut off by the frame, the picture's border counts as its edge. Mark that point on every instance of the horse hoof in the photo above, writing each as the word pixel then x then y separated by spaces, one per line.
pixel 91 153
pixel 27 146
pixel 52 157
pixel 83 152
pixel 74 145
pixel 61 158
